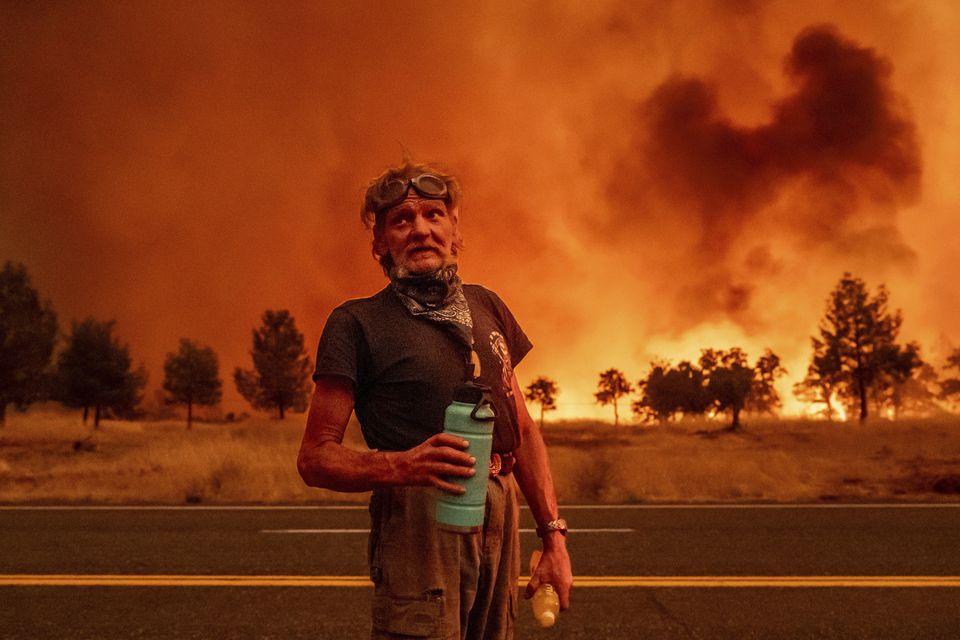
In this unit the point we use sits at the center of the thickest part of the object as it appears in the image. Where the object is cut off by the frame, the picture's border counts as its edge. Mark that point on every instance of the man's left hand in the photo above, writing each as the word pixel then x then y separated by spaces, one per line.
pixel 554 569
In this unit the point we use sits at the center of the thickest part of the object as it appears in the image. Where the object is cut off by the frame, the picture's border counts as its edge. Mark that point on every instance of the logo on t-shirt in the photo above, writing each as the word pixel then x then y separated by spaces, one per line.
pixel 499 346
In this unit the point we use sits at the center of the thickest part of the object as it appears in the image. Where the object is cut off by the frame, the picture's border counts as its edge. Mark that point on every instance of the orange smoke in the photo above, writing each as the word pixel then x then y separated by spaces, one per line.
pixel 641 180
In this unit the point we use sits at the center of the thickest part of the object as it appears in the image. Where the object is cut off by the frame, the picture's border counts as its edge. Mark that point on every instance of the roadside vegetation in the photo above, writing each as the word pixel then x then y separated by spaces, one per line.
pixel 772 460
pixel 48 456
pixel 688 443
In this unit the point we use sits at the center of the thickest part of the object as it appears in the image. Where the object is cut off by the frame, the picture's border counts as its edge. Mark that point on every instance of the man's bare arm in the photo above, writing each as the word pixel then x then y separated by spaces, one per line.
pixel 325 462
pixel 533 475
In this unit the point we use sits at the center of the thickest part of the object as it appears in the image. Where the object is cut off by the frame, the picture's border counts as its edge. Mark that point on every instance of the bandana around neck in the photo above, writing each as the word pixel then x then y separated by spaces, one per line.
pixel 438 297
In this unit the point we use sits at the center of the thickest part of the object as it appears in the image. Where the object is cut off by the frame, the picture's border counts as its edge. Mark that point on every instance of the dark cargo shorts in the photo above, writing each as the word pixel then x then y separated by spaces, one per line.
pixel 430 583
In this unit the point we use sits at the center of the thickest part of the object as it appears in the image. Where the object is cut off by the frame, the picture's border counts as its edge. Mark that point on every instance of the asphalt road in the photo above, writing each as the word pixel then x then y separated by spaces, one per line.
pixel 641 543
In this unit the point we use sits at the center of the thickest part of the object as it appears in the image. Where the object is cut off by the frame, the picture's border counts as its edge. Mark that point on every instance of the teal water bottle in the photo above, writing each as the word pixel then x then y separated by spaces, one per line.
pixel 470 416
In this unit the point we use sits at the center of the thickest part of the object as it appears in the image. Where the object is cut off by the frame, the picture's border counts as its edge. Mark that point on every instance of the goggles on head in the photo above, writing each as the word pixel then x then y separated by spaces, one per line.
pixel 393 191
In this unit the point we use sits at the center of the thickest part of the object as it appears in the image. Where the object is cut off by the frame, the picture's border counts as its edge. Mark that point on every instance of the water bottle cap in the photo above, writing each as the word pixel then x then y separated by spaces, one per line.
pixel 470 393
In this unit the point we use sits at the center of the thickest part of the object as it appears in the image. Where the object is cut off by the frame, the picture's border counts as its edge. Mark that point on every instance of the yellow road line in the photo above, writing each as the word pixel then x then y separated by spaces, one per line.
pixel 133 580
pixel 767 581
pixel 675 582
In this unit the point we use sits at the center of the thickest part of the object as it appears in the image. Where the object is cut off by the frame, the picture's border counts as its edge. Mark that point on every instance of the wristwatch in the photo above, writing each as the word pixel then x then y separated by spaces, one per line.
pixel 554 525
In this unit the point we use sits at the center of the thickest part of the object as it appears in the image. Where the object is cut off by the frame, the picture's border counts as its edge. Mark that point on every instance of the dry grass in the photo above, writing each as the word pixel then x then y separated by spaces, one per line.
pixel 770 460
pixel 254 461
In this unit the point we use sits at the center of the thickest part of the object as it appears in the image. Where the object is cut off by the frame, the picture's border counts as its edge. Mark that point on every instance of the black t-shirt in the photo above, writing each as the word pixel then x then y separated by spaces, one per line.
pixel 405 368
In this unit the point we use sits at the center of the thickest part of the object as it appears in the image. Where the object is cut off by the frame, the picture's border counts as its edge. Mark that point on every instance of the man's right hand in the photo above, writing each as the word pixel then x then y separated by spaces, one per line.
pixel 433 462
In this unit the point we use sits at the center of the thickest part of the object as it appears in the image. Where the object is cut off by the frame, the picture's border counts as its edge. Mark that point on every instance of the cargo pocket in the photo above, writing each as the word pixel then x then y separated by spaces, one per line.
pixel 513 608
pixel 414 616
pixel 379 513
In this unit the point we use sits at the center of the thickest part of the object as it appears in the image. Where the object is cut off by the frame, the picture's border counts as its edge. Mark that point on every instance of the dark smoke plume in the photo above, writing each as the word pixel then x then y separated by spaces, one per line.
pixel 841 135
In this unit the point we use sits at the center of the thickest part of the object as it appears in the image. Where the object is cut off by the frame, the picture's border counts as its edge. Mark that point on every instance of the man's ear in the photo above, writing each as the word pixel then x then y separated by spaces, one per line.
pixel 457 239
pixel 379 244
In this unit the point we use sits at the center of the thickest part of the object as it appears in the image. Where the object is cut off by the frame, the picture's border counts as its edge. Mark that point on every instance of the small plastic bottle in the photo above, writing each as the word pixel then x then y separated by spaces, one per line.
pixel 546 602
pixel 546 605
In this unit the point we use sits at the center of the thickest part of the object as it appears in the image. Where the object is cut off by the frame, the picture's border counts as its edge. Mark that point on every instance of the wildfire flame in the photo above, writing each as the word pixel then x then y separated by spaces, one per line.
pixel 199 166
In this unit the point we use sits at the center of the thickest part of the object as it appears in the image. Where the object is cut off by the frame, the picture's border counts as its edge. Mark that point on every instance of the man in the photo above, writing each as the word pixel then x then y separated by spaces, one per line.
pixel 395 358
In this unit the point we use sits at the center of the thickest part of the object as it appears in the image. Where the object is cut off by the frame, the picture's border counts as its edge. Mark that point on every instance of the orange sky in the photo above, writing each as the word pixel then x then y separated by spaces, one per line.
pixel 641 179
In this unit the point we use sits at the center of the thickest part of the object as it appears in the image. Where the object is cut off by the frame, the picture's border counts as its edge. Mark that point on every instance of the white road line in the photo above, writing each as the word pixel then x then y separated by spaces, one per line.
pixel 315 531
pixel 368 531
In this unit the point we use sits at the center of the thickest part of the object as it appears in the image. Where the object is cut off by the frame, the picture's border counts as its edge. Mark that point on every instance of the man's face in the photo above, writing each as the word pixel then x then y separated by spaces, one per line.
pixel 418 234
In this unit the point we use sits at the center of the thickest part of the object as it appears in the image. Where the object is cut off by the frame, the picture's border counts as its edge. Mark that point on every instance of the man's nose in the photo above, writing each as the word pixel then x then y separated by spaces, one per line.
pixel 420 226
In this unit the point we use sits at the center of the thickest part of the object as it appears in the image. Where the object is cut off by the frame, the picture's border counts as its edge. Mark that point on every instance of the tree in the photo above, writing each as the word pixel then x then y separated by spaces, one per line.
pixel 669 390
pixel 896 366
pixel 855 333
pixel 763 396
pixel 94 371
pixel 192 376
pixel 658 398
pixel 822 379
pixel 281 370
pixel 918 394
pixel 950 387
pixel 543 391
pixel 612 386
pixel 729 380
pixel 28 332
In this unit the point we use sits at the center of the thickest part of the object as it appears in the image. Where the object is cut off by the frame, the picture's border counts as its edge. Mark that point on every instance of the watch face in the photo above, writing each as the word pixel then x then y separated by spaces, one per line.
pixel 554 525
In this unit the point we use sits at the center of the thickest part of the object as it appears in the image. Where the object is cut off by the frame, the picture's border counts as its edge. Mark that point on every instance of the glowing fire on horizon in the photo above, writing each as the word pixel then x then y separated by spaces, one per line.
pixel 690 193
pixel 839 408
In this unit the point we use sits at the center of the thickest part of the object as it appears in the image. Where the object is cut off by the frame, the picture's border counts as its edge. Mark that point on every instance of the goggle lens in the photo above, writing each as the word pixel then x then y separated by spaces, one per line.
pixel 394 190
pixel 429 185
